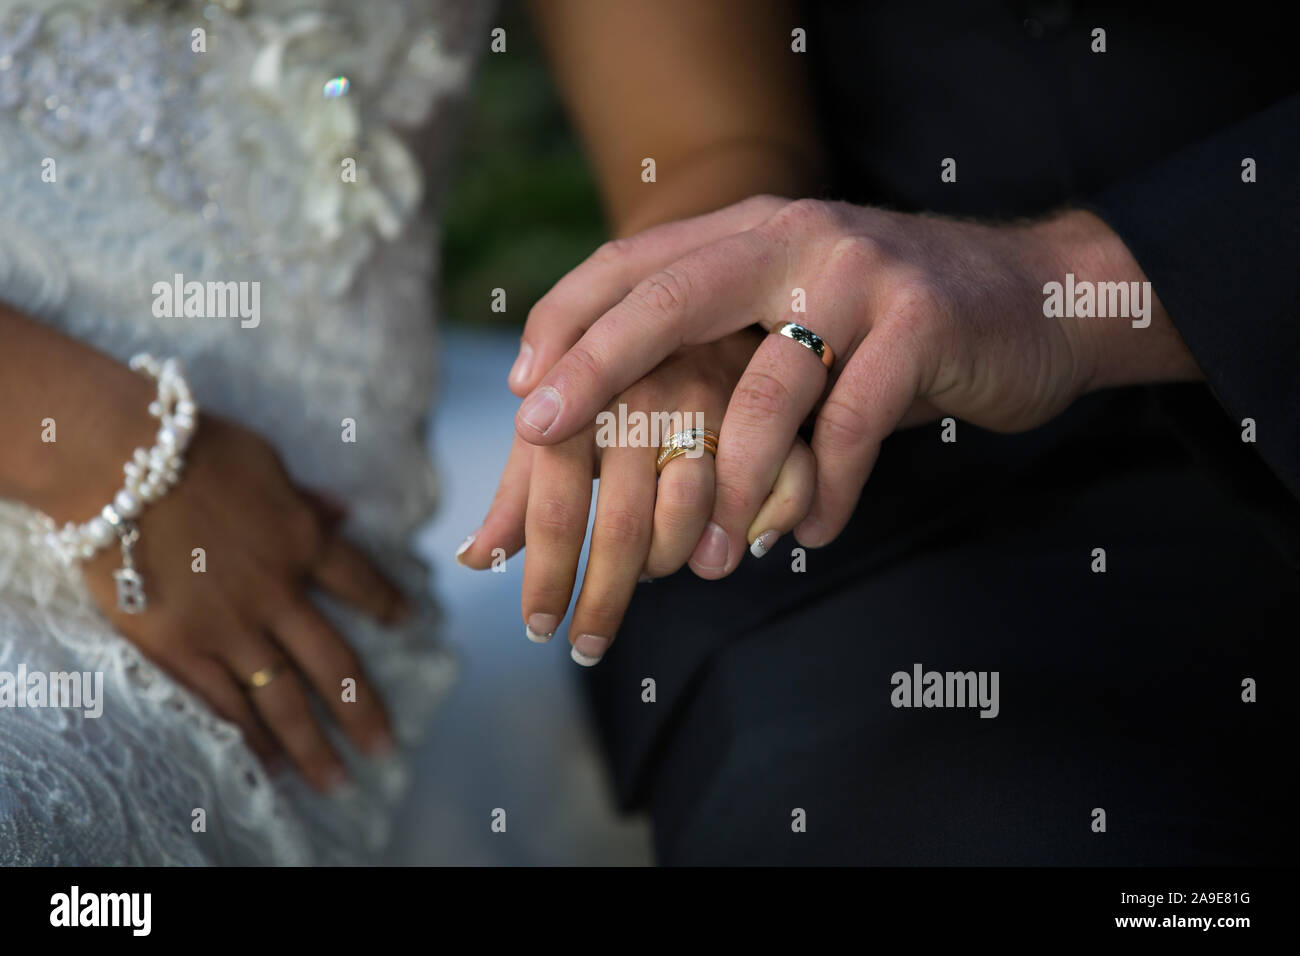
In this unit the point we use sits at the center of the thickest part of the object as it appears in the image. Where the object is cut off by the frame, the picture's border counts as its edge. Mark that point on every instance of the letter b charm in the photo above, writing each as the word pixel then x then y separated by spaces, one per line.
pixel 130 590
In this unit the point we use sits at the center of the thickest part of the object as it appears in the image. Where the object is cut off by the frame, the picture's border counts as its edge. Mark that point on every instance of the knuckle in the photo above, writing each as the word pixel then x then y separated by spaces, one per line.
pixel 673 522
pixel 857 252
pixel 800 215
pixel 581 364
pixel 667 292
pixel 668 553
pixel 602 611
pixel 612 251
pixel 549 594
pixel 621 527
pixel 687 491
pixel 733 500
pixel 555 518
pixel 841 426
pixel 760 397
pixel 769 201
pixel 921 295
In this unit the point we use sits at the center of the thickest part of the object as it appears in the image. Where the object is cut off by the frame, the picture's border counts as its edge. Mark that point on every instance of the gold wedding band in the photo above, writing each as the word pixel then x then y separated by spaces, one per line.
pixel 683 442
pixel 261 678
pixel 808 339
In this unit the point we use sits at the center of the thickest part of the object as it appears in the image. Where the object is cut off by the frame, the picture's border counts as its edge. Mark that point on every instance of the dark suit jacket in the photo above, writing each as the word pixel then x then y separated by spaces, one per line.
pixel 1151 135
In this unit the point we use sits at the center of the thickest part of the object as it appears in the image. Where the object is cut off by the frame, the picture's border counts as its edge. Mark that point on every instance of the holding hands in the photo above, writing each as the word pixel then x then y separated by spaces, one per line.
pixel 920 317
pixel 651 515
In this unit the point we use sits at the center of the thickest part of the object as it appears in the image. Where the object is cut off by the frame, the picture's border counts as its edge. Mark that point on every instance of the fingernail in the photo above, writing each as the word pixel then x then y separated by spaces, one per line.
pixel 644 579
pixel 811 532
pixel 382 743
pixel 711 552
pixel 763 543
pixel 540 627
pixel 465 546
pixel 588 649
pixel 540 409
pixel 523 364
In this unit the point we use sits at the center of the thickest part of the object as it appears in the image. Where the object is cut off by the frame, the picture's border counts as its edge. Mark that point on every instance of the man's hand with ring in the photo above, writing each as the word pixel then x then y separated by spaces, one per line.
pixel 924 316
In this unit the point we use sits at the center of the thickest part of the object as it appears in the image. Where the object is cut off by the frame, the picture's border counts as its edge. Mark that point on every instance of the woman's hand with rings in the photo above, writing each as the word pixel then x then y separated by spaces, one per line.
pixel 924 316
pixel 646 525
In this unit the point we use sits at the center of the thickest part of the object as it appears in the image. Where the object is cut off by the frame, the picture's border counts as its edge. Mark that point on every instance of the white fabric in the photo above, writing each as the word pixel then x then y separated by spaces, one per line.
pixel 225 166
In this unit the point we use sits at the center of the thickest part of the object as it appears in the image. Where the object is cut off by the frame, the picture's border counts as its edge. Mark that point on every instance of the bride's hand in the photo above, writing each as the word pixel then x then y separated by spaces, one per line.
pixel 265 543
pixel 644 527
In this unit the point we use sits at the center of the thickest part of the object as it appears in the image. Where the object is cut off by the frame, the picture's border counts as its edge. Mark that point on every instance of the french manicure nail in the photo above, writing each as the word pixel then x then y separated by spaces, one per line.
pixel 540 627
pixel 540 409
pixel 465 546
pixel 588 649
pixel 711 553
pixel 763 543
pixel 523 364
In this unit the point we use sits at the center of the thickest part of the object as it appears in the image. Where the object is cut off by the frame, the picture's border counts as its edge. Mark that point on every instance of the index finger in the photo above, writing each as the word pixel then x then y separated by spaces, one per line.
pixel 558 319
pixel 702 297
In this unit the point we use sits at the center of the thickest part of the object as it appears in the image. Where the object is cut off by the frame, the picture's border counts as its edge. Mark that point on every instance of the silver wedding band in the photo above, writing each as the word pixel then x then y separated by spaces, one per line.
pixel 808 339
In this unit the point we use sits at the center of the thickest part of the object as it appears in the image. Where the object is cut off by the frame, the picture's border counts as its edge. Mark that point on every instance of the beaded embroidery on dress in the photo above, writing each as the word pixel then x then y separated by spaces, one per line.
pixel 225 165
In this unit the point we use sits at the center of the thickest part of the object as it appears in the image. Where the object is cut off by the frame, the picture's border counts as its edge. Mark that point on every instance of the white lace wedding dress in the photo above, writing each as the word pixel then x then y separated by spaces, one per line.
pixel 225 165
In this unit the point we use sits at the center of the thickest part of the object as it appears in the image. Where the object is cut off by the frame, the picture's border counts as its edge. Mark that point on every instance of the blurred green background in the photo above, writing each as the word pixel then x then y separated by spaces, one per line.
pixel 522 208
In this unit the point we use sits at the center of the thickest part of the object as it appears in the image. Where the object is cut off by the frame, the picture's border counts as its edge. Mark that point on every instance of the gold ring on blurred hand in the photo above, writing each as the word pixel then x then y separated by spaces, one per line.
pixel 260 678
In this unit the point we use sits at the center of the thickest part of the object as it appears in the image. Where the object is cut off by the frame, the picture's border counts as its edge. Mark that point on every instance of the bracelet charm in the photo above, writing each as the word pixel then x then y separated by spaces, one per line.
pixel 150 474
pixel 130 585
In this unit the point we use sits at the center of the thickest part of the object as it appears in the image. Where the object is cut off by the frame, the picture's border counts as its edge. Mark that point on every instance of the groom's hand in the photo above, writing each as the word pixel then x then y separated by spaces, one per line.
pixel 924 316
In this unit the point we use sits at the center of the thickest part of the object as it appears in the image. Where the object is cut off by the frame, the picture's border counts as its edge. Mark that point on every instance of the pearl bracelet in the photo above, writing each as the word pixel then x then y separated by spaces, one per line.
pixel 149 475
